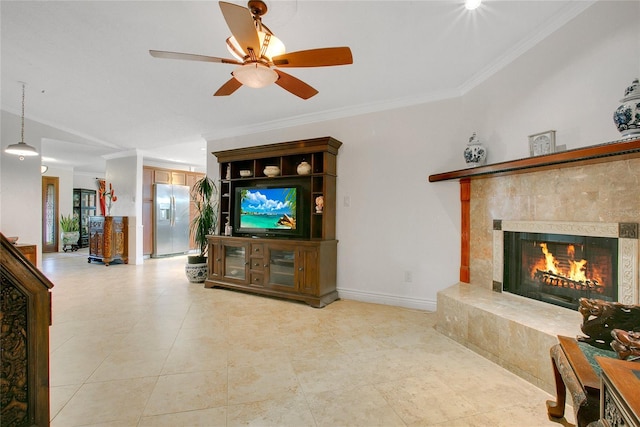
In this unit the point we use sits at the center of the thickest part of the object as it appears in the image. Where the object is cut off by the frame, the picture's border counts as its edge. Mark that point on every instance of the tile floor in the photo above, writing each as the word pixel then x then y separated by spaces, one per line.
pixel 141 346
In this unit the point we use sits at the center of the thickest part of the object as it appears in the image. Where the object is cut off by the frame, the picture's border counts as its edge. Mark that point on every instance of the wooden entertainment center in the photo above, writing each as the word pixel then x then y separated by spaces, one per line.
pixel 301 267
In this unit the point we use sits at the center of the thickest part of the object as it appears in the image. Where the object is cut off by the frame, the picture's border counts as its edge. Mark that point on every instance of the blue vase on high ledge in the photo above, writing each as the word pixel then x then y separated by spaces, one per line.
pixel 627 115
pixel 475 154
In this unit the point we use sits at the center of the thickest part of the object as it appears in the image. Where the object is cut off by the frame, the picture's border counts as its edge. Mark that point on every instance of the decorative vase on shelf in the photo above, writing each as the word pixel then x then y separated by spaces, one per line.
pixel 475 154
pixel 271 171
pixel 627 115
pixel 319 204
pixel 228 230
pixel 304 168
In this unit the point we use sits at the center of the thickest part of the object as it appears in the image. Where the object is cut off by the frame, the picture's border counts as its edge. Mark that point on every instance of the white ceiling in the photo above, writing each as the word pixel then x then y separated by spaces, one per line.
pixel 89 73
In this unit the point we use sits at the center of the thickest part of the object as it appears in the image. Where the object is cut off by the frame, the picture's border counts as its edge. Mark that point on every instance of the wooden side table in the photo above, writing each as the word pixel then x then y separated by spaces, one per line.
pixel 620 392
pixel 573 372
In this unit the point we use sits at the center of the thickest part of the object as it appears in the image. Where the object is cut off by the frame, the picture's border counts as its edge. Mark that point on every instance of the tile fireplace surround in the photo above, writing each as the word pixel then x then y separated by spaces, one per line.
pixel 511 330
pixel 627 248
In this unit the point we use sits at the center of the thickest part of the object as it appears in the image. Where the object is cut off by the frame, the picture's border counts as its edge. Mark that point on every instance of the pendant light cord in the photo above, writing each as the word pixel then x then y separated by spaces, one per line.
pixel 22 129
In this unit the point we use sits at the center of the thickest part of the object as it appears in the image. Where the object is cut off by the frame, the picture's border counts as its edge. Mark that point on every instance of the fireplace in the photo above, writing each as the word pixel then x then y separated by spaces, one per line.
pixel 561 262
pixel 560 268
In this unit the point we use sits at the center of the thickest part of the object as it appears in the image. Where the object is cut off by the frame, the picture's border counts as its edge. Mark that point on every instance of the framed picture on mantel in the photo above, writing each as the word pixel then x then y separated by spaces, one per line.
pixel 542 143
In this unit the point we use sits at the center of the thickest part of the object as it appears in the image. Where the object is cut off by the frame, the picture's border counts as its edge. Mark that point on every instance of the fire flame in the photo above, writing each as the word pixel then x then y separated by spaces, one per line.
pixel 577 269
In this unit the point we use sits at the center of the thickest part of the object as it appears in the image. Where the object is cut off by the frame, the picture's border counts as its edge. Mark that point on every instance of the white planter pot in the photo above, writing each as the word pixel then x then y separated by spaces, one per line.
pixel 70 237
pixel 196 273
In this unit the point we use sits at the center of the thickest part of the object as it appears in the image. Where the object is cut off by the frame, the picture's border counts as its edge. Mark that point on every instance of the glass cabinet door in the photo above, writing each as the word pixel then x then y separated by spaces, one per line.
pixel 281 268
pixel 235 262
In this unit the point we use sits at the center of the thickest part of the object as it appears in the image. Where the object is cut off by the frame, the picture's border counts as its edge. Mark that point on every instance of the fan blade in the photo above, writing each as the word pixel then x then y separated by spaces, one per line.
pixel 294 85
pixel 315 57
pixel 191 57
pixel 228 88
pixel 240 22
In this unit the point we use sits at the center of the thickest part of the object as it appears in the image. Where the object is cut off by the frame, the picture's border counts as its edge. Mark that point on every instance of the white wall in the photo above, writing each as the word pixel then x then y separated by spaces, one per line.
pixel 124 173
pixel 570 82
pixel 86 181
pixel 397 222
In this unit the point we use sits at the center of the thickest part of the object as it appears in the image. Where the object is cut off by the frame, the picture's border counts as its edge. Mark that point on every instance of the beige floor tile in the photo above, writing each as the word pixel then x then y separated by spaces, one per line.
pixel 361 406
pixel 288 411
pixel 188 392
pixel 416 400
pixel 70 366
pixel 338 373
pixel 194 355
pixel 141 346
pixel 60 396
pixel 150 339
pixel 212 417
pixel 123 364
pixel 303 346
pixel 112 401
pixel 256 382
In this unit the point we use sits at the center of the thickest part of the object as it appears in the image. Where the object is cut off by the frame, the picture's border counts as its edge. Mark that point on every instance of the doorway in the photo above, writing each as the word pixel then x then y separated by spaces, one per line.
pixel 50 214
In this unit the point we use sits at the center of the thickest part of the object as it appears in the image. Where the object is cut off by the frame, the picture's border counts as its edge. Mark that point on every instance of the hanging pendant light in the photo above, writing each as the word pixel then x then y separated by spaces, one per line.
pixel 21 148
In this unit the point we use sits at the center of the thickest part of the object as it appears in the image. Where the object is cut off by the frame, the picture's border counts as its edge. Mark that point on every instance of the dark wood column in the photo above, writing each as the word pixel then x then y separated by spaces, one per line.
pixel 465 228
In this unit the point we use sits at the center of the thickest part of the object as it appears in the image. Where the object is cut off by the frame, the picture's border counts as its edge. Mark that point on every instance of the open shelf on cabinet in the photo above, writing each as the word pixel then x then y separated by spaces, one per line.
pixel 319 153
pixel 300 265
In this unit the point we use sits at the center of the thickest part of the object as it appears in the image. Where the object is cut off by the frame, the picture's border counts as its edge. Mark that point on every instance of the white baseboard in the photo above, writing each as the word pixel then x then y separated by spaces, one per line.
pixel 387 299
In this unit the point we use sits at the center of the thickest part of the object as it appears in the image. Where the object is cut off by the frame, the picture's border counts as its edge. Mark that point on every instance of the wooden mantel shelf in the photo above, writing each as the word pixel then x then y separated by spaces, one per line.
pixel 616 150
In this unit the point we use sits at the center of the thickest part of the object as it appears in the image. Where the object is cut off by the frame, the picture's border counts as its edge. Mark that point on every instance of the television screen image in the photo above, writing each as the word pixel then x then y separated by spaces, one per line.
pixel 268 208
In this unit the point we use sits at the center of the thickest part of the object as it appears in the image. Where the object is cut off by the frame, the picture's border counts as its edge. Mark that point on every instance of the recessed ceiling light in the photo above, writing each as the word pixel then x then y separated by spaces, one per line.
pixel 472 4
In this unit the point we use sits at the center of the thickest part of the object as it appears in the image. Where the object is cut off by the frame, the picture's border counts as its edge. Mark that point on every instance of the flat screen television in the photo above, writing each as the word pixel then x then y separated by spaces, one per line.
pixel 269 211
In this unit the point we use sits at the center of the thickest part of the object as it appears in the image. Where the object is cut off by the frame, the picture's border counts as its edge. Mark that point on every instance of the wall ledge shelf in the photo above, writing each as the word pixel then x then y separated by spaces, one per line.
pixel 617 150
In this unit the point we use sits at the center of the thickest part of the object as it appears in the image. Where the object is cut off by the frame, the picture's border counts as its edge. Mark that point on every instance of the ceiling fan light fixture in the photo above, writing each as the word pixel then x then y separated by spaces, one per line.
pixel 234 49
pixel 255 75
pixel 275 47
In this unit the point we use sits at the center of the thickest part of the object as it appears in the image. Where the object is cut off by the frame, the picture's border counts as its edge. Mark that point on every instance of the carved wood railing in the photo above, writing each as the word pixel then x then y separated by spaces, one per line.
pixel 25 317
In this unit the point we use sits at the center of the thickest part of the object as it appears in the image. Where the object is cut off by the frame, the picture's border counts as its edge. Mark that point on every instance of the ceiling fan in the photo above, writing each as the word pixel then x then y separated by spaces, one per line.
pixel 259 54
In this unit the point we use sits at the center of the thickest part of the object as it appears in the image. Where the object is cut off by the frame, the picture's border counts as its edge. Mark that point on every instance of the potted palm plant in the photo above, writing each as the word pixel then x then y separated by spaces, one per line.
pixel 204 195
pixel 70 234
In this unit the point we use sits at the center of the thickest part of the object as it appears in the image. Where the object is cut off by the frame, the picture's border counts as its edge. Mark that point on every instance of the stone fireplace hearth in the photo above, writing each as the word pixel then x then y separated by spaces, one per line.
pixel 598 185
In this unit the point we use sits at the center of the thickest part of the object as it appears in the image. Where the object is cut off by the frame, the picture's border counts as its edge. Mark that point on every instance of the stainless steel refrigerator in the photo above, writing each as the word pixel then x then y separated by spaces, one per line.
pixel 171 220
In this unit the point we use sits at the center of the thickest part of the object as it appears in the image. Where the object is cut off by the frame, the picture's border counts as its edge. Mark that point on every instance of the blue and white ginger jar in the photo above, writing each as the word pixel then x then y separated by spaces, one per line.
pixel 475 154
pixel 627 116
